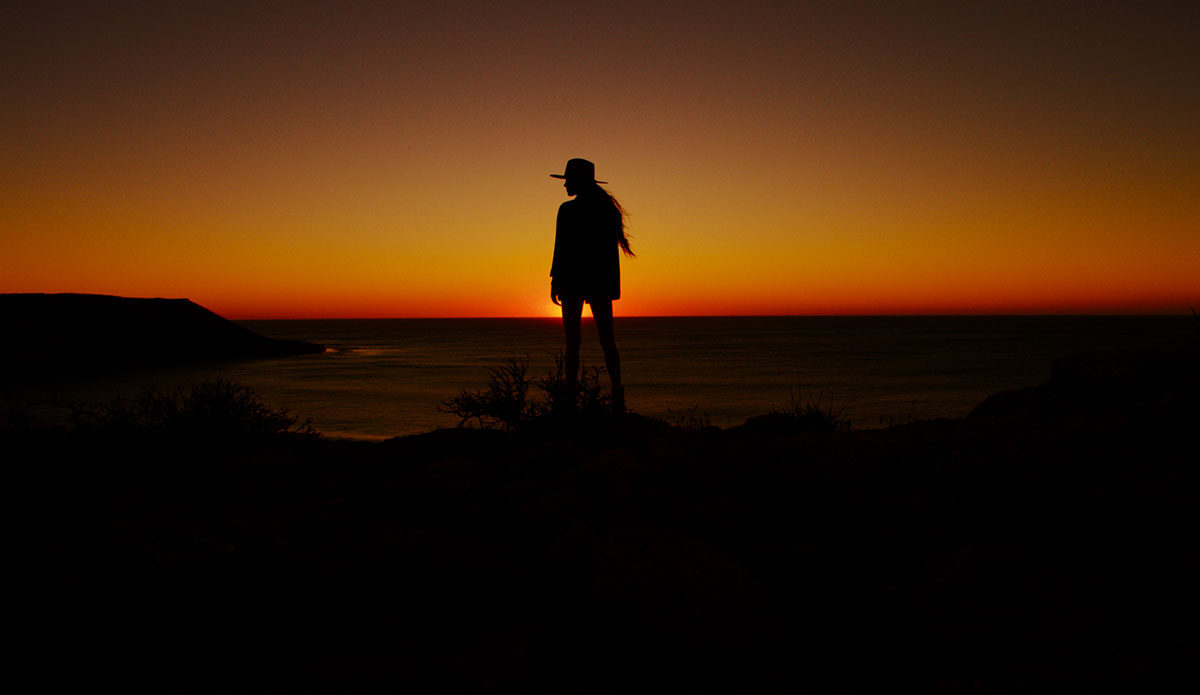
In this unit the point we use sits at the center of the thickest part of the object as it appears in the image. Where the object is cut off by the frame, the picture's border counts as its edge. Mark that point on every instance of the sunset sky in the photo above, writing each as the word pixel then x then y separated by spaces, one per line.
pixel 298 159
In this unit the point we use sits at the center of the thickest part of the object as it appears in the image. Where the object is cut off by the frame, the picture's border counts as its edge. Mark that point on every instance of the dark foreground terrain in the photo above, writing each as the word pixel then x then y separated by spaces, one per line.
pixel 1045 543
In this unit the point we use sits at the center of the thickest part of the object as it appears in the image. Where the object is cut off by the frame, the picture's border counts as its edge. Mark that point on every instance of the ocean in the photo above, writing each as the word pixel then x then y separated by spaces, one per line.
pixel 386 377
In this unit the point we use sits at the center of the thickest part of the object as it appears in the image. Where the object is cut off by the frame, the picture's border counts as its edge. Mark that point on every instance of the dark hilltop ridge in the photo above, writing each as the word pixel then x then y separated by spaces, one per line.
pixel 1045 543
pixel 53 334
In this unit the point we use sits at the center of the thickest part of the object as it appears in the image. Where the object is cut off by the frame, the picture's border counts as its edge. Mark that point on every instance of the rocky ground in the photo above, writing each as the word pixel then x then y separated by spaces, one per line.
pixel 1045 541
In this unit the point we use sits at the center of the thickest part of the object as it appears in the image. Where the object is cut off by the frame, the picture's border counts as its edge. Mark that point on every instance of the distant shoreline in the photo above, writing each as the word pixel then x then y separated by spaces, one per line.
pixel 56 334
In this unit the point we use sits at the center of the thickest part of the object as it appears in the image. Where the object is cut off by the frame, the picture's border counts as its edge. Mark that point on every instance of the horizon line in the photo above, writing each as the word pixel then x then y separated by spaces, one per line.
pixel 1048 314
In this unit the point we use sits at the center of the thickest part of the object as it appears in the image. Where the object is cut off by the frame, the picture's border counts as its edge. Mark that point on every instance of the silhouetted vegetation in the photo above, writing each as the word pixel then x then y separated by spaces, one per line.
pixel 216 408
pixel 208 410
pixel 690 419
pixel 503 402
pixel 506 401
pixel 813 414
pixel 589 397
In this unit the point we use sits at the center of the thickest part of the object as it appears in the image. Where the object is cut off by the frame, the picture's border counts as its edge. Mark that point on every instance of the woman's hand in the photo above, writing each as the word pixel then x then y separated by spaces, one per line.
pixel 554 295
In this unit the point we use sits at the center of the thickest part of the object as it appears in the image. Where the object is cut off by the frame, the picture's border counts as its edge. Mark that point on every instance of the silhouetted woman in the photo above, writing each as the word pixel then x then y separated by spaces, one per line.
pixel 588 240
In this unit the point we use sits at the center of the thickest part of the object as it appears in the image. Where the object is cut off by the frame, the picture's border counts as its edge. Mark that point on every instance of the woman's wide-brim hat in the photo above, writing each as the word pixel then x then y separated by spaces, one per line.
pixel 579 170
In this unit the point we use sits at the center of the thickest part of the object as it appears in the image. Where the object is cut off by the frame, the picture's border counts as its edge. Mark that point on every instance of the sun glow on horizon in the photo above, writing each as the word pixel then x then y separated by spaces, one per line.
pixel 393 161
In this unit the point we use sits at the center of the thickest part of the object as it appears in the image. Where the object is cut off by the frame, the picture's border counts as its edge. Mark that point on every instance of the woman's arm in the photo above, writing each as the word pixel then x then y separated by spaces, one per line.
pixel 559 246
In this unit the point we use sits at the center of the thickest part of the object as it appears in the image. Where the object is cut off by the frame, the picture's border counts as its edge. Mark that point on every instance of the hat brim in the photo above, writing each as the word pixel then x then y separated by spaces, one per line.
pixel 563 176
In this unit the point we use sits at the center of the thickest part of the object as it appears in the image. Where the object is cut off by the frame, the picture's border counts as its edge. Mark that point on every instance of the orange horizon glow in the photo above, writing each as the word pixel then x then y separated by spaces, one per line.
pixel 1148 306
pixel 353 162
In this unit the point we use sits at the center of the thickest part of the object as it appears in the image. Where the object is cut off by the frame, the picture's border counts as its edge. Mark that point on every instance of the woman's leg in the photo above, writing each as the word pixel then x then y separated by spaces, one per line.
pixel 603 313
pixel 572 310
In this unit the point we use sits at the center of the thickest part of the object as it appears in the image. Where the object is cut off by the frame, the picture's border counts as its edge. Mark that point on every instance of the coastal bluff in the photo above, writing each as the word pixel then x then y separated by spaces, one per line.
pixel 46 335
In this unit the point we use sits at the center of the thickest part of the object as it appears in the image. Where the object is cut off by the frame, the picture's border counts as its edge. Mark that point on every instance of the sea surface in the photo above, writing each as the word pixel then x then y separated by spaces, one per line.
pixel 386 377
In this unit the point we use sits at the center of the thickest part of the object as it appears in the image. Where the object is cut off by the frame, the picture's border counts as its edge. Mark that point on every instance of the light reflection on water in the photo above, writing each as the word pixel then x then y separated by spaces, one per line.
pixel 381 378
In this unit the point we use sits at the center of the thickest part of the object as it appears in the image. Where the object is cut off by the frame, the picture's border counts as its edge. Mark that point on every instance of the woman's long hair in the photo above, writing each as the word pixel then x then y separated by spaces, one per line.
pixel 623 235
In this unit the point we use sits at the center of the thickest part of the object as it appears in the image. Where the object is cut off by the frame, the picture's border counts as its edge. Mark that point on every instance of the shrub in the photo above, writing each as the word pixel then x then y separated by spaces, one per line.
pixel 216 409
pixel 690 419
pixel 588 398
pixel 502 403
pixel 809 414
pixel 505 401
